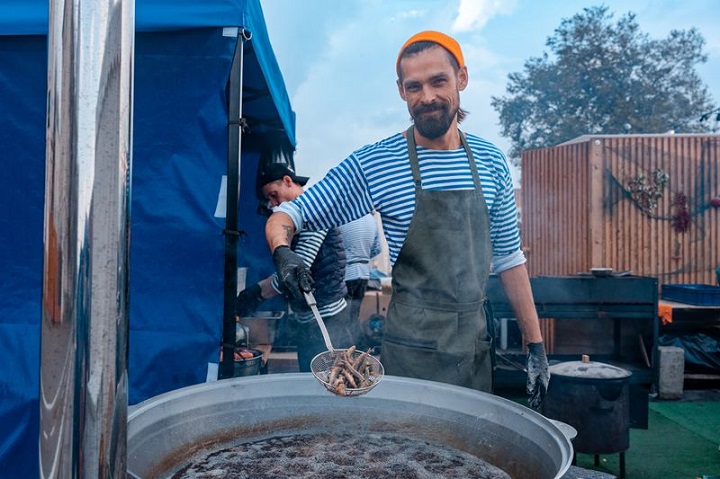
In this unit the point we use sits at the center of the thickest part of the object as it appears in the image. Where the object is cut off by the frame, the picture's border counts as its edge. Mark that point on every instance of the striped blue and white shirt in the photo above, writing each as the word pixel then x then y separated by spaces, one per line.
pixel 379 177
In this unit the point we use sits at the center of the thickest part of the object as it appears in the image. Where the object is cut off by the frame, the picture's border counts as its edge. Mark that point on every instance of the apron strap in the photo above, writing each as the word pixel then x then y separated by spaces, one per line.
pixel 412 153
pixel 473 166
pixel 414 163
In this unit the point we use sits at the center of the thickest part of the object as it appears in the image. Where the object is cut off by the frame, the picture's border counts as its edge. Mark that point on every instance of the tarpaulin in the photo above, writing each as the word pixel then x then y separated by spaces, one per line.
pixel 702 350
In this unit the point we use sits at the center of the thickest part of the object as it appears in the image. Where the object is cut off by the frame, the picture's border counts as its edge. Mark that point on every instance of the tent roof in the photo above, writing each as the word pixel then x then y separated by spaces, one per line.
pixel 30 17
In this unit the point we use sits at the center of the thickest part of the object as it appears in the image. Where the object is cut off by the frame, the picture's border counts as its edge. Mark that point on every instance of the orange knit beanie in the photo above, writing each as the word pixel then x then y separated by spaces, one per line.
pixel 449 43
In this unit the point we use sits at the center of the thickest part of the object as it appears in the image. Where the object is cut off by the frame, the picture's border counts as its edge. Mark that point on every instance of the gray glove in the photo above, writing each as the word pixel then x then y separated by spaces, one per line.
pixel 292 272
pixel 538 374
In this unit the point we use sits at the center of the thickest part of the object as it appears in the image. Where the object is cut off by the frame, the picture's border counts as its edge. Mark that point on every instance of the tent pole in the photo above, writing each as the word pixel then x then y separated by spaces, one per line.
pixel 84 317
pixel 235 127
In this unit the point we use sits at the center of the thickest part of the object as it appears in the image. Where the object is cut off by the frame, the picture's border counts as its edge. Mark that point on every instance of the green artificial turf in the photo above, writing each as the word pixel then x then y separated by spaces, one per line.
pixel 703 418
pixel 681 442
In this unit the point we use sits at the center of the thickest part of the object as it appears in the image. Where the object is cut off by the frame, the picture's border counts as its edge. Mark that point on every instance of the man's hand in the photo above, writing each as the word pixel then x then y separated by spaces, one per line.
pixel 292 272
pixel 248 300
pixel 538 374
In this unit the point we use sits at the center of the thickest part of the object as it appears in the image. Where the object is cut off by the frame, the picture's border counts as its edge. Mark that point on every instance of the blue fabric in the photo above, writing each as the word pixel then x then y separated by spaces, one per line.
pixel 182 66
pixel 176 256
pixel 30 17
pixel 23 67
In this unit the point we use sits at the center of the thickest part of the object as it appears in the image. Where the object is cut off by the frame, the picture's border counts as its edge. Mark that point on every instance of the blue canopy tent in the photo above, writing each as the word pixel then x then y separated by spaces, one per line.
pixel 185 54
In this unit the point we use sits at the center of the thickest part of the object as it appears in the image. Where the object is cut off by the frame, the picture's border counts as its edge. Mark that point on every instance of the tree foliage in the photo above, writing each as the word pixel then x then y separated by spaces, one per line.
pixel 605 78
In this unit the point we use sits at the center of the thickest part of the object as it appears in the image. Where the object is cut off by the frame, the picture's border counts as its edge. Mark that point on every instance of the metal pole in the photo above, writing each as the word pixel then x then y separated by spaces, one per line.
pixel 83 374
pixel 235 126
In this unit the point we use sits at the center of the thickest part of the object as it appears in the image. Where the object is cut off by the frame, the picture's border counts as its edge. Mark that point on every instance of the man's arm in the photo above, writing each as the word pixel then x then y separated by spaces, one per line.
pixel 292 272
pixel 267 290
pixel 279 230
pixel 516 283
pixel 250 299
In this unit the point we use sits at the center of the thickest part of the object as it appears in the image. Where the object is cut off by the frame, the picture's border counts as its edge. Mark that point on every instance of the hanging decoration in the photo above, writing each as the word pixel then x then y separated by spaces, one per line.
pixel 682 218
pixel 646 192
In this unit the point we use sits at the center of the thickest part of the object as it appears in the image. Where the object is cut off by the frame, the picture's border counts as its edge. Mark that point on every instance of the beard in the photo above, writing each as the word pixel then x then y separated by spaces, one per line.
pixel 435 126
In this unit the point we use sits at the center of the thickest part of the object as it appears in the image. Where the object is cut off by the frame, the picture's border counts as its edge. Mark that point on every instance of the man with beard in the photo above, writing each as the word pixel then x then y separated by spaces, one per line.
pixel 447 205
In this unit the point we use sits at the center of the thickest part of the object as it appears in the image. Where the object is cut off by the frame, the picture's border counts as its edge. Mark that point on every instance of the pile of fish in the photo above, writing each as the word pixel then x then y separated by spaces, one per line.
pixel 351 370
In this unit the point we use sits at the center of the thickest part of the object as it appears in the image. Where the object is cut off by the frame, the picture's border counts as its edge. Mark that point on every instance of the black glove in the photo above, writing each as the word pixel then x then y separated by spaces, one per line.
pixel 538 374
pixel 292 272
pixel 248 300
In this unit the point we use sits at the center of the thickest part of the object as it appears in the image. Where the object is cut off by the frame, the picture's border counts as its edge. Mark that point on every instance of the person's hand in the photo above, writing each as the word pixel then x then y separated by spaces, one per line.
pixel 292 272
pixel 248 300
pixel 538 374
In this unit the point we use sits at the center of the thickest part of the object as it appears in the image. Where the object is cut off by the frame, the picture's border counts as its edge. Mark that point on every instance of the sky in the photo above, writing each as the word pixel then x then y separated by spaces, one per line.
pixel 338 57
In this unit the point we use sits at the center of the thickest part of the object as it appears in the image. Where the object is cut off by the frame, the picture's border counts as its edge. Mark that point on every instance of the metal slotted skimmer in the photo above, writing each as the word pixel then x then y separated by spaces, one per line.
pixel 344 372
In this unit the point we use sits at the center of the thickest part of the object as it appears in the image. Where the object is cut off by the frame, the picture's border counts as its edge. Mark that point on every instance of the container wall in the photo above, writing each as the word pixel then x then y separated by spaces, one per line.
pixel 555 207
pixel 631 203
pixel 676 236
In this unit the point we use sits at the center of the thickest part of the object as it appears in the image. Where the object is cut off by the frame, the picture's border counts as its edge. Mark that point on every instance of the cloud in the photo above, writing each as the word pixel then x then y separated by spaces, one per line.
pixel 414 13
pixel 347 95
pixel 338 59
pixel 474 14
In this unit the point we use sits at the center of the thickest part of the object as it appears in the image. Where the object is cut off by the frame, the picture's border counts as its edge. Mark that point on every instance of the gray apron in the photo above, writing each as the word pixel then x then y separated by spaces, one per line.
pixel 435 327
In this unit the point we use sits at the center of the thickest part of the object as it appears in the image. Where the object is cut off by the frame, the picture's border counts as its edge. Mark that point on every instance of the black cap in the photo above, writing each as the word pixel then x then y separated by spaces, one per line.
pixel 276 171
pixel 273 172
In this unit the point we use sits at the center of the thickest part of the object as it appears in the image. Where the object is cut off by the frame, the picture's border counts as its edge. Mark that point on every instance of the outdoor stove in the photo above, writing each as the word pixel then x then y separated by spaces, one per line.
pixel 628 303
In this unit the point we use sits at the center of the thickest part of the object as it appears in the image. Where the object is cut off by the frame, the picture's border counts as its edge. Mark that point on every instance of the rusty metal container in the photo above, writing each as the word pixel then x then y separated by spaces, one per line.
pixel 640 203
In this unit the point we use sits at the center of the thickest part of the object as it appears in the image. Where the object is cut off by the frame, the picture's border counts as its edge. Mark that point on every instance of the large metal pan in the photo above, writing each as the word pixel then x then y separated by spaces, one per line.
pixel 164 432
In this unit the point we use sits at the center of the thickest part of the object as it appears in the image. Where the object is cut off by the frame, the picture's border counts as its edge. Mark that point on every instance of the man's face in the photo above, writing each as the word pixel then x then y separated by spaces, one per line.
pixel 431 87
pixel 281 191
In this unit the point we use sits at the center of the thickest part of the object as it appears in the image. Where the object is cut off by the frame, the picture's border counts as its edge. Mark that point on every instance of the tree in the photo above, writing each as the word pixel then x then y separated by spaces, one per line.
pixel 605 79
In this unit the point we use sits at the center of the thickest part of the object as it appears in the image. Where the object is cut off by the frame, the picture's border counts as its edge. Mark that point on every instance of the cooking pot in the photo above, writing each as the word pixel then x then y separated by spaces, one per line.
pixel 594 398
pixel 248 366
pixel 166 431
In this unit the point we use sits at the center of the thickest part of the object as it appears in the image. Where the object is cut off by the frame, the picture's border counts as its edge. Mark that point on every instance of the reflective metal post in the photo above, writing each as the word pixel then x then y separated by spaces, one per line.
pixel 83 376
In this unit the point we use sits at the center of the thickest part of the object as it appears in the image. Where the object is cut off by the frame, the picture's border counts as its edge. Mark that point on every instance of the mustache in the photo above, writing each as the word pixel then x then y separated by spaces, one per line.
pixel 429 108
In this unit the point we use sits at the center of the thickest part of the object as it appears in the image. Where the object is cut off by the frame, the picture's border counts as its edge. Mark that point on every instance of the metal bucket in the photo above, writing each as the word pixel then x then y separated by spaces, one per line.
pixel 166 431
pixel 247 367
